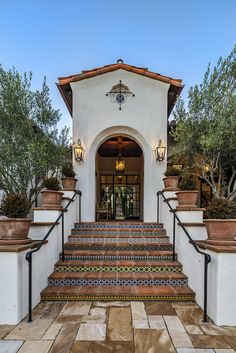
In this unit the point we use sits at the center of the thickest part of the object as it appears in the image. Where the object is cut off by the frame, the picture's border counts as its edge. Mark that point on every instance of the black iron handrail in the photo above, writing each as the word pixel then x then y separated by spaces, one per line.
pixel 28 255
pixel 207 257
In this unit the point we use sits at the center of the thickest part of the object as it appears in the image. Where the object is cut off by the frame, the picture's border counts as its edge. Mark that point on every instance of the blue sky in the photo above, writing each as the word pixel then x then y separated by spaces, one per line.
pixel 59 37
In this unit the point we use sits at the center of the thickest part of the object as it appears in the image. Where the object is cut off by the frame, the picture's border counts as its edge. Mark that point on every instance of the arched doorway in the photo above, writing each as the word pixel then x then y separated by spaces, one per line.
pixel 119 178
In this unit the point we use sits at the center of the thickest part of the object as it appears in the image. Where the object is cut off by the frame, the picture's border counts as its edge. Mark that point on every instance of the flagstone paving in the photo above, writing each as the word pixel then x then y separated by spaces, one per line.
pixel 117 327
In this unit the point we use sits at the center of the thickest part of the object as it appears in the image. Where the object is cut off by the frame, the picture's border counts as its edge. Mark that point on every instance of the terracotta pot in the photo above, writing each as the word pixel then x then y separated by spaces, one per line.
pixel 187 198
pixel 220 231
pixel 171 182
pixel 14 231
pixel 69 183
pixel 52 199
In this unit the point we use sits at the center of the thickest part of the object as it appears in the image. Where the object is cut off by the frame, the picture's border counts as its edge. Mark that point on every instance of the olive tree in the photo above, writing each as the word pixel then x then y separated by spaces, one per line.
pixel 30 145
pixel 205 131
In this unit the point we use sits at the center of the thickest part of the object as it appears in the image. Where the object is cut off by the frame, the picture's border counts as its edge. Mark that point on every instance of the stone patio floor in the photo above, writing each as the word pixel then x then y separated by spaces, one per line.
pixel 117 327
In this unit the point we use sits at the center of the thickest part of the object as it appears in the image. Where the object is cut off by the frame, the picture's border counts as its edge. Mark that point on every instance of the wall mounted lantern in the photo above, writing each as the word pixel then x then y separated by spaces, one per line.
pixel 160 152
pixel 78 152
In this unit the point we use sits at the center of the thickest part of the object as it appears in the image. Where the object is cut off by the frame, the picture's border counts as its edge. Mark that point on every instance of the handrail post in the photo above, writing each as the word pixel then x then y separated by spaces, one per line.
pixel 158 207
pixel 206 262
pixel 80 207
pixel 173 254
pixel 29 259
pixel 62 236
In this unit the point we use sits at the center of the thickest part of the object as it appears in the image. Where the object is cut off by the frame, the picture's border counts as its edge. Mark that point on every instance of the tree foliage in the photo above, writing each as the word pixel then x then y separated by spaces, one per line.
pixel 205 131
pixel 30 145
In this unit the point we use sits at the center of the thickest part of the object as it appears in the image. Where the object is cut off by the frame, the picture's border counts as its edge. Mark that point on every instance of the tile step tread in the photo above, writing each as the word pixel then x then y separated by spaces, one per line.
pixel 118 290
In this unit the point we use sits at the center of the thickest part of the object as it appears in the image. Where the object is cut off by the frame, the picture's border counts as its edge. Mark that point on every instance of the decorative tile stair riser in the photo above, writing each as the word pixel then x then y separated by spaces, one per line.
pixel 101 240
pixel 106 261
pixel 131 269
pixel 118 225
pixel 119 257
pixel 112 232
pixel 107 298
pixel 114 282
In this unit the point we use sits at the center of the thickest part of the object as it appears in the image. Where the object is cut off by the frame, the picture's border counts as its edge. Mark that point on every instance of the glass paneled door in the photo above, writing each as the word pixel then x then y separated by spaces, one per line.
pixel 121 193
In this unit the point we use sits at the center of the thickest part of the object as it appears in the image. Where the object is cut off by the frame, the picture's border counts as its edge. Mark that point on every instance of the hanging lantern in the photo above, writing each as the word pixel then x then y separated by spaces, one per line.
pixel 120 164
pixel 78 152
pixel 160 152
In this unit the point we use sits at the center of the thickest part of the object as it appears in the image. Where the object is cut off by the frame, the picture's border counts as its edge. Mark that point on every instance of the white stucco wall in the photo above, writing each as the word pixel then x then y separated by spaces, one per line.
pixel 143 118
pixel 221 269
pixel 14 267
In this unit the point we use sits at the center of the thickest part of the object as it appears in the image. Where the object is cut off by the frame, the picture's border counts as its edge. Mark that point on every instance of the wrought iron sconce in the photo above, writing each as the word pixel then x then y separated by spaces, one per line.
pixel 160 152
pixel 78 152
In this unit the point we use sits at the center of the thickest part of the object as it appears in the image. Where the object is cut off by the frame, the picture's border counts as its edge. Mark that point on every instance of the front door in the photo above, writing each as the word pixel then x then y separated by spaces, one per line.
pixel 121 194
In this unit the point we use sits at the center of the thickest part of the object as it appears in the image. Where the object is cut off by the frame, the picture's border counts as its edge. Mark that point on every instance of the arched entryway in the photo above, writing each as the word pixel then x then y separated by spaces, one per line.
pixel 119 169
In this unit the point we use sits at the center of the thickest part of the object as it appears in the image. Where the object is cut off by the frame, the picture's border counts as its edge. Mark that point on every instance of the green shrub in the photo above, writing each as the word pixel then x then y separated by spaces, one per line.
pixel 171 171
pixel 52 183
pixel 187 184
pixel 221 208
pixel 68 171
pixel 15 206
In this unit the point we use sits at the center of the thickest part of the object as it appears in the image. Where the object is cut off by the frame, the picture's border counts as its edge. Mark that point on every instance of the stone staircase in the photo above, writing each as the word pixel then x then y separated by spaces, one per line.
pixel 118 261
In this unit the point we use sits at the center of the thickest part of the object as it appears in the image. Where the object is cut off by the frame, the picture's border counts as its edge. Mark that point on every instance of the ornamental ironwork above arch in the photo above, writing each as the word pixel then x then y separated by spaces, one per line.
pixel 119 94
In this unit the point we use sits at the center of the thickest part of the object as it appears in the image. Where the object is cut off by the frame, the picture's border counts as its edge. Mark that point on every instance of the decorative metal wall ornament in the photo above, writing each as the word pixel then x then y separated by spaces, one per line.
pixel 119 94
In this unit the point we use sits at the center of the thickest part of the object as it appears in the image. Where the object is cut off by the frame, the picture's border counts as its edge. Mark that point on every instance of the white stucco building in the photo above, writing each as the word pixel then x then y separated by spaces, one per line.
pixel 120 109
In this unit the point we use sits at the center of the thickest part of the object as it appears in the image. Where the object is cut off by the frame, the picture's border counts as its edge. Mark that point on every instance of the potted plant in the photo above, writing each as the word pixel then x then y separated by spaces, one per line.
pixel 52 196
pixel 14 226
pixel 220 220
pixel 172 176
pixel 187 195
pixel 68 180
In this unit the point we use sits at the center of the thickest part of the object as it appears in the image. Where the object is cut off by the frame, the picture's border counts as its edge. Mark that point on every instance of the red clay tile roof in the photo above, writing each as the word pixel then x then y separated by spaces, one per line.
pixel 66 92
